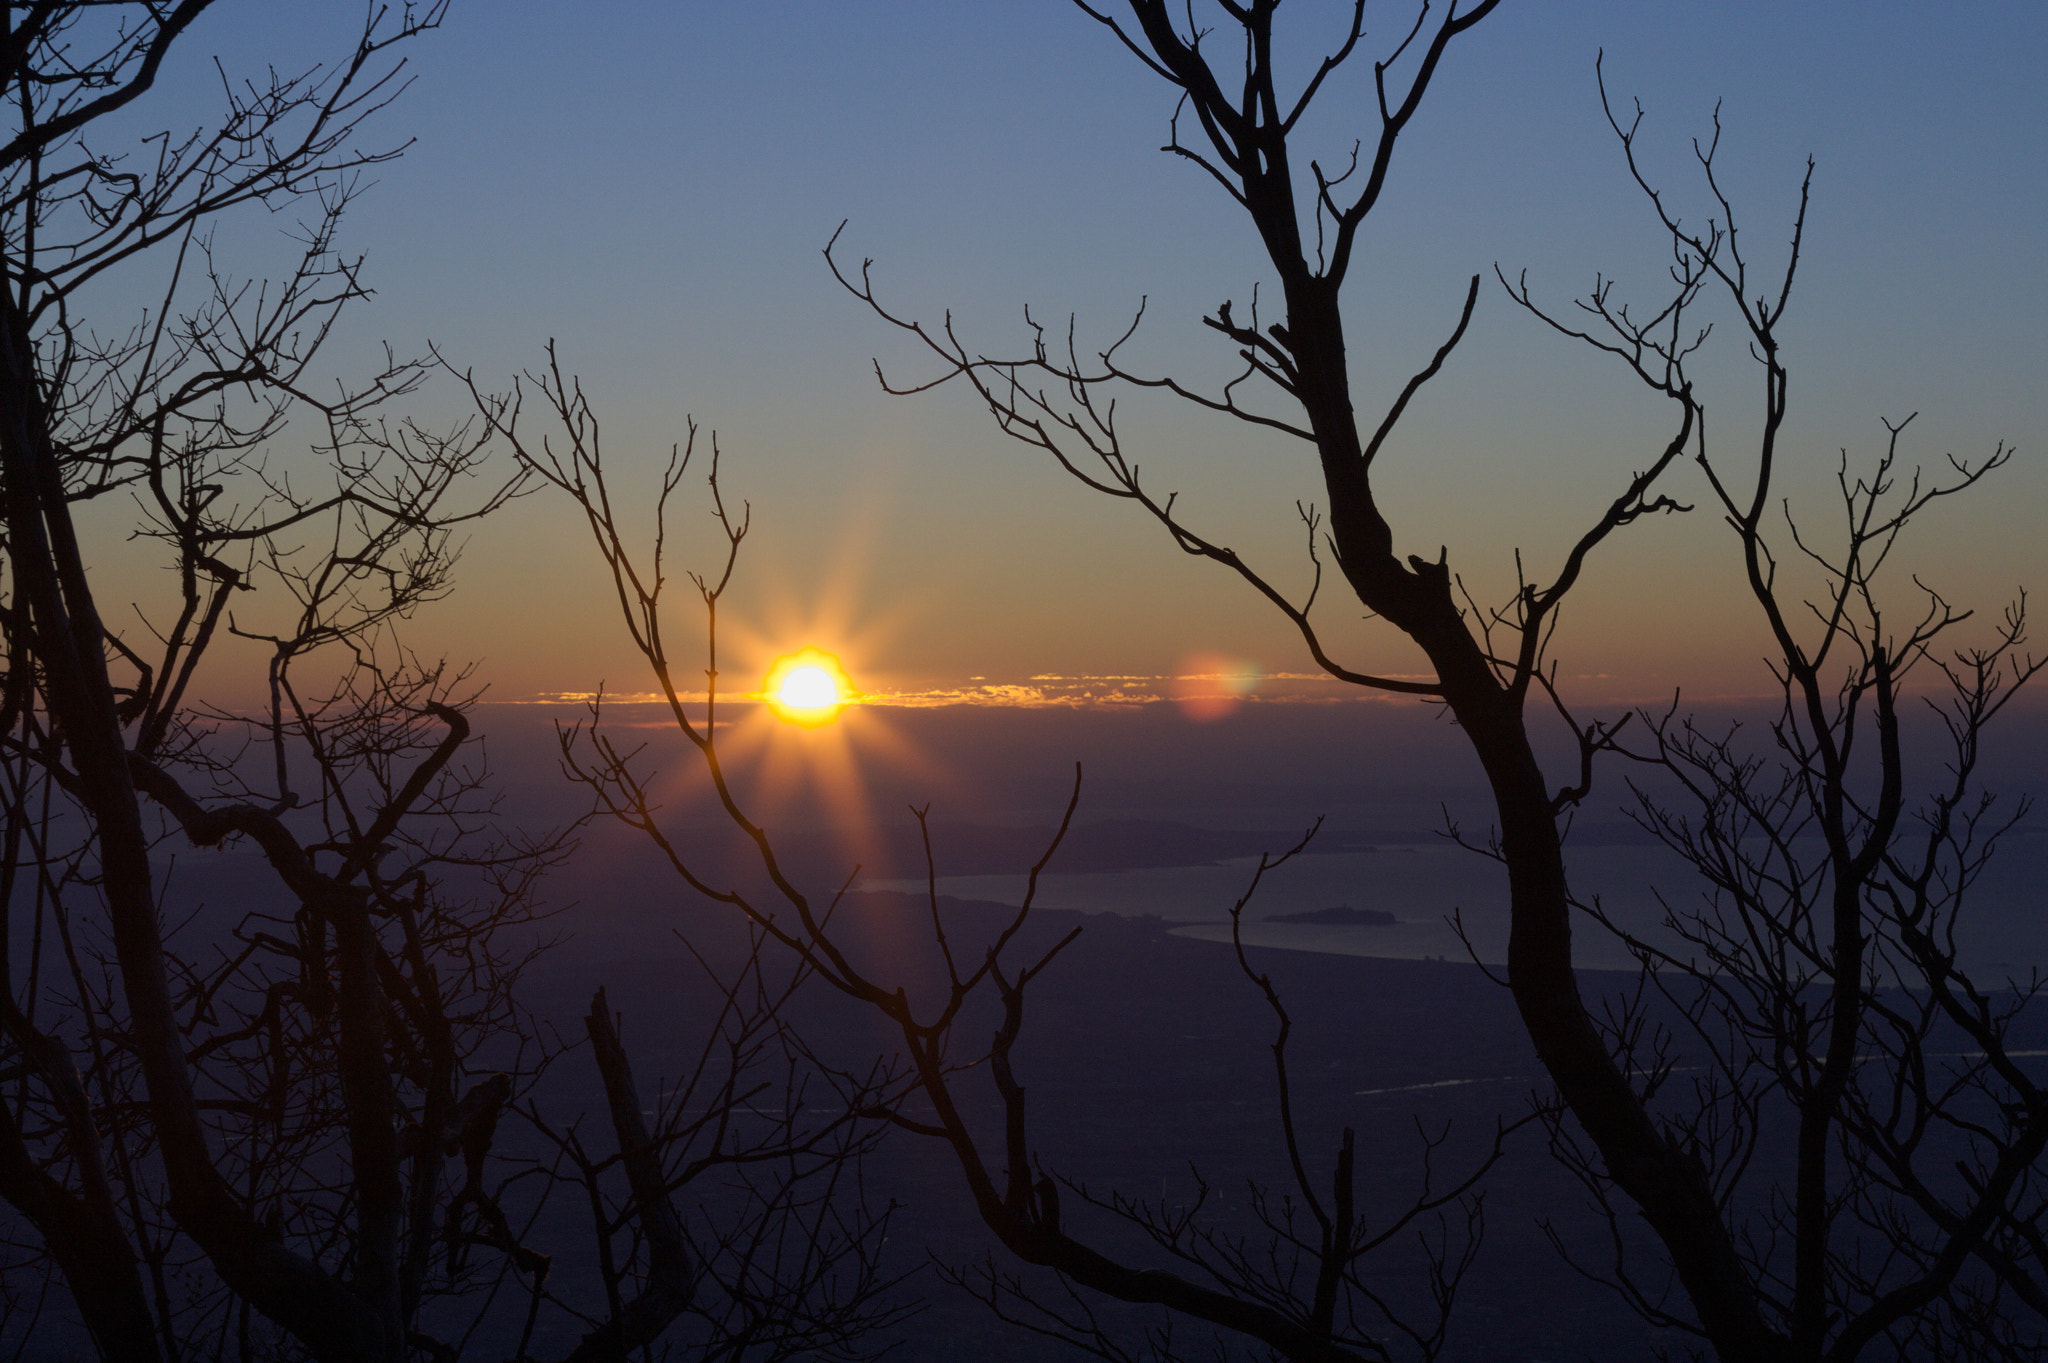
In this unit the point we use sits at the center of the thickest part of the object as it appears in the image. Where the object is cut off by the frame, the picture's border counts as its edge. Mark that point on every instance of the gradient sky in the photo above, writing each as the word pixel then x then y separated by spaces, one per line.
pixel 651 184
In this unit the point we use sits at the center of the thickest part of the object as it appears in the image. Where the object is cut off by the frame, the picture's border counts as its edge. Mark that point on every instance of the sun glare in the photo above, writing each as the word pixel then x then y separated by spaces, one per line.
pixel 808 688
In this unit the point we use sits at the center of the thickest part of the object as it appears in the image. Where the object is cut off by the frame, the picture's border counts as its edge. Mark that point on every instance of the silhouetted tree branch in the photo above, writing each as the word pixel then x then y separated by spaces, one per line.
pixel 1303 1291
pixel 236 1128
pixel 1821 971
pixel 1487 660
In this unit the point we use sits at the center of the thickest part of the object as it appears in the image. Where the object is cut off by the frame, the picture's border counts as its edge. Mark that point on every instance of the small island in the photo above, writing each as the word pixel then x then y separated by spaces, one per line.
pixel 1343 915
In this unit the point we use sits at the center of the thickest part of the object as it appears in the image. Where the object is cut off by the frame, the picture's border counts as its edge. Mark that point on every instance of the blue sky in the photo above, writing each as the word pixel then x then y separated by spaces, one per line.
pixel 650 185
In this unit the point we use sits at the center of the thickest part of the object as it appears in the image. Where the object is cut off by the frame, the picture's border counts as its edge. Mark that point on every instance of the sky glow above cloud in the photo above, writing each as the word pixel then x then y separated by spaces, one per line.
pixel 586 173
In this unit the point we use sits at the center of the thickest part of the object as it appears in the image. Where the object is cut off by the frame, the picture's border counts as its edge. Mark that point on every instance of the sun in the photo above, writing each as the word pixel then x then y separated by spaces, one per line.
pixel 808 687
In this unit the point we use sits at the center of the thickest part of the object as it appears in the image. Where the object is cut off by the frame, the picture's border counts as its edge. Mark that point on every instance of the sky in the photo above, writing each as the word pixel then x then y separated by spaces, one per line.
pixel 650 187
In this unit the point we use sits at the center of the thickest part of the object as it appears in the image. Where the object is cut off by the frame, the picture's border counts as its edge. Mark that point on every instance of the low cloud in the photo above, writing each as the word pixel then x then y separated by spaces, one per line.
pixel 1106 691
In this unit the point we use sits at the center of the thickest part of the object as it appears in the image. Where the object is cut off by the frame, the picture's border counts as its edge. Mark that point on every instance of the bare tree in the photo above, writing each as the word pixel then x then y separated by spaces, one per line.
pixel 234 1129
pixel 778 1258
pixel 1819 973
pixel 1493 674
pixel 1298 1283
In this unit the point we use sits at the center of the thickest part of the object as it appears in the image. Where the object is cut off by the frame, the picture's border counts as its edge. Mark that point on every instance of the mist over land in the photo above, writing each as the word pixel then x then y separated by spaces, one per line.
pixel 1173 814
pixel 1147 1054
pixel 1172 817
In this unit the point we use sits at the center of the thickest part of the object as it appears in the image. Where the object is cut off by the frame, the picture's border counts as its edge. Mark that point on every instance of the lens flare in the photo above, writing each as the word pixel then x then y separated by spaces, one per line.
pixel 1210 687
pixel 808 688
